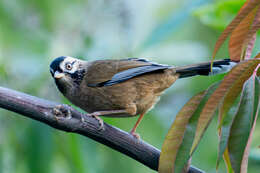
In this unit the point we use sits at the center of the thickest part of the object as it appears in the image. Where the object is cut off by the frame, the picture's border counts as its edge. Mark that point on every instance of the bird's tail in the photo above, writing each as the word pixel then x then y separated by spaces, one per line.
pixel 219 66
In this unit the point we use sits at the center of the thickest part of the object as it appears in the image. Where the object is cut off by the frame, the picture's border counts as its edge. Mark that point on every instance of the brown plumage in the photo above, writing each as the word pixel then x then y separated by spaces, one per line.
pixel 118 88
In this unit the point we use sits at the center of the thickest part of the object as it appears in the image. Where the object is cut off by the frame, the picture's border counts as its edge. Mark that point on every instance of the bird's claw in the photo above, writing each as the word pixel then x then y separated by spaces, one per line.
pixel 135 135
pixel 100 121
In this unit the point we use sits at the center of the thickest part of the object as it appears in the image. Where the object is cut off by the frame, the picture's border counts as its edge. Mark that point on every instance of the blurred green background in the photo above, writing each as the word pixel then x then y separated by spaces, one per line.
pixel 34 32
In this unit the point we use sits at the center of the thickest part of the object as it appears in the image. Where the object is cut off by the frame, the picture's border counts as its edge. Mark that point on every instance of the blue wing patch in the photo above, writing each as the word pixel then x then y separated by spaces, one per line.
pixel 131 73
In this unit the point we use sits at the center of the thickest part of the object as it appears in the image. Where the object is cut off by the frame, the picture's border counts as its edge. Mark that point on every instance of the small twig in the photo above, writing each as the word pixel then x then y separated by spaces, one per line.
pixel 65 118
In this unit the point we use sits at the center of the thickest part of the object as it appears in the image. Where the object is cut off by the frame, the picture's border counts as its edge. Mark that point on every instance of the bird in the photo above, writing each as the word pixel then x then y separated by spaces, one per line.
pixel 122 87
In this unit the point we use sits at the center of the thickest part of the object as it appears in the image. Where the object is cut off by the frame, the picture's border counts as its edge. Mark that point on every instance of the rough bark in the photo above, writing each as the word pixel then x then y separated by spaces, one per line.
pixel 65 118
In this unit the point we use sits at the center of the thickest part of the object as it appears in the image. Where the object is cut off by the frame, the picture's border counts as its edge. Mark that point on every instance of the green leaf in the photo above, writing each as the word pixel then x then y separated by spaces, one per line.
pixel 224 133
pixel 241 126
pixel 247 149
pixel 256 97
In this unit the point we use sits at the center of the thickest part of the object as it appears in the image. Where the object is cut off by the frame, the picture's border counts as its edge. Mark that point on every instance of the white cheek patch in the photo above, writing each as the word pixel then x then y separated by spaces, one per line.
pixel 74 62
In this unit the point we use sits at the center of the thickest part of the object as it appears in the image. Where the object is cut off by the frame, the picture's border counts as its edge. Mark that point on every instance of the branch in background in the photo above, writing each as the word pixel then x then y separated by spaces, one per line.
pixel 67 119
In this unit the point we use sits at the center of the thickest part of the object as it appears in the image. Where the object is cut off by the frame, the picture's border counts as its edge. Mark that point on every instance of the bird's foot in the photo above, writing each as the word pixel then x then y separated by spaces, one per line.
pixel 135 135
pixel 61 111
pixel 100 121
pixel 99 113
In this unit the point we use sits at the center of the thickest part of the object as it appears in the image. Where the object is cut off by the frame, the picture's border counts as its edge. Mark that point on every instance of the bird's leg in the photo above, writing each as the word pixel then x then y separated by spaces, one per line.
pixel 132 132
pixel 99 113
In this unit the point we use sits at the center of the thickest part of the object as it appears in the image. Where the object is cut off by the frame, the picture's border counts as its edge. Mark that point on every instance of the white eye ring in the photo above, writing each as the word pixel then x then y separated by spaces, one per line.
pixel 68 66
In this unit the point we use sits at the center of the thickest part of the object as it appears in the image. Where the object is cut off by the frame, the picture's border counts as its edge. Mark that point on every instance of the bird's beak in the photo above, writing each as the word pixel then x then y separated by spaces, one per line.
pixel 58 75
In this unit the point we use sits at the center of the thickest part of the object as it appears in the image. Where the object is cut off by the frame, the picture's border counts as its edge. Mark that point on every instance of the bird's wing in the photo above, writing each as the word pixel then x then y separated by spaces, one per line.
pixel 110 72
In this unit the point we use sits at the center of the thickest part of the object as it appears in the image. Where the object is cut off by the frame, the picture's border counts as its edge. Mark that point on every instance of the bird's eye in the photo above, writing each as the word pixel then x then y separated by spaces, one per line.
pixel 68 66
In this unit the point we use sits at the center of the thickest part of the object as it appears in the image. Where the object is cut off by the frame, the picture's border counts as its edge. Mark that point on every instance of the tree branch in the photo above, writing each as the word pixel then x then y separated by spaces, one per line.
pixel 67 119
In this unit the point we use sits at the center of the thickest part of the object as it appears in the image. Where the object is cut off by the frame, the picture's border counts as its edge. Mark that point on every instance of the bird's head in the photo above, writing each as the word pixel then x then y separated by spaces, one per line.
pixel 67 72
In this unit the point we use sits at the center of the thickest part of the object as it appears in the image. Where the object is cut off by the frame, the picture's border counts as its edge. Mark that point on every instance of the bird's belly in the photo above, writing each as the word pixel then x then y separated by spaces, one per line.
pixel 142 93
pixel 100 99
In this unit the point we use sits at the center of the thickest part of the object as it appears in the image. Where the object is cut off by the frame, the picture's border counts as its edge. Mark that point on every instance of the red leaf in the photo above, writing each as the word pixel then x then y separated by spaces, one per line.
pixel 238 37
pixel 251 36
pixel 244 11
pixel 175 135
pixel 233 81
